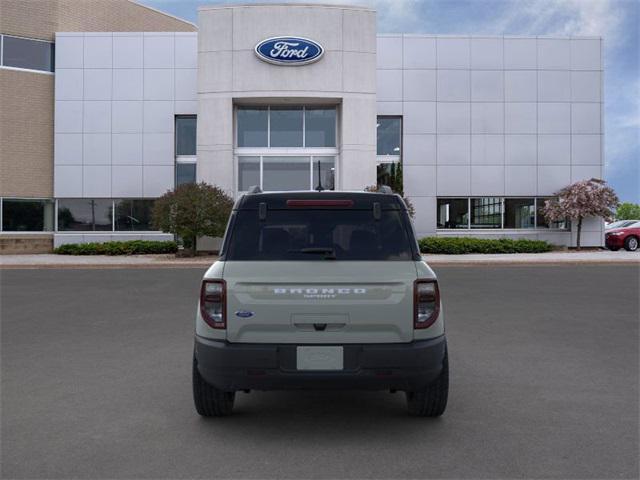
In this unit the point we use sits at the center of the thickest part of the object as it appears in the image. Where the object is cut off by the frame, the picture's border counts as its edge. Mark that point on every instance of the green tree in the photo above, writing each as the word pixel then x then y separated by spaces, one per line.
pixel 193 210
pixel 628 211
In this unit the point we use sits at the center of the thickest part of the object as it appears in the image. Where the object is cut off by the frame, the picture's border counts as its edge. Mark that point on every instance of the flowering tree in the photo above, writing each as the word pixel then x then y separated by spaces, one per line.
pixel 586 198
pixel 193 210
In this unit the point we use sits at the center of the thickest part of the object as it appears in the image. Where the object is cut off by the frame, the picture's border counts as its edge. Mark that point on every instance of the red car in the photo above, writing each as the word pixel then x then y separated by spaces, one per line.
pixel 627 237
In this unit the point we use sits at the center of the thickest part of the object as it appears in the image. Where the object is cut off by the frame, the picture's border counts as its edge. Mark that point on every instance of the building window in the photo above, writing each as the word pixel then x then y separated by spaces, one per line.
pixel 27 215
pixel 389 136
pixel 519 213
pixel 494 213
pixel 186 135
pixel 85 215
pixel 541 220
pixel 286 127
pixel 253 126
pixel 453 213
pixel 286 172
pixel 133 215
pixel 26 53
pixel 320 127
pixel 486 212
pixel 186 141
pixel 389 152
pixel 185 173
pixel 286 147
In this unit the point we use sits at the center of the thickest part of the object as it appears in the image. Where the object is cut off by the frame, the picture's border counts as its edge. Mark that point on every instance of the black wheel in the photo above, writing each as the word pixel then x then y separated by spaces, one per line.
pixel 631 244
pixel 432 401
pixel 210 402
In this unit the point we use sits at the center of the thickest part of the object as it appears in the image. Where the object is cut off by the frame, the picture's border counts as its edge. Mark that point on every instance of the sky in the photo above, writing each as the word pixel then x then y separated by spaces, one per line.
pixel 617 21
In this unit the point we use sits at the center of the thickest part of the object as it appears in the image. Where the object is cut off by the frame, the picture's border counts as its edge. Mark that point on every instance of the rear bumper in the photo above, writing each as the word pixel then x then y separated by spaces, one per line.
pixel 403 366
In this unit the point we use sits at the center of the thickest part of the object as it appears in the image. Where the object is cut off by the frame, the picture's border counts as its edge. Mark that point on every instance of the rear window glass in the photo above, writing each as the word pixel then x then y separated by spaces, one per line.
pixel 319 235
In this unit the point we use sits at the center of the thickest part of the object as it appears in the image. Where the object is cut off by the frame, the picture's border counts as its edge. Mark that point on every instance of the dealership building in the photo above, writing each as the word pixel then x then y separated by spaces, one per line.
pixel 476 131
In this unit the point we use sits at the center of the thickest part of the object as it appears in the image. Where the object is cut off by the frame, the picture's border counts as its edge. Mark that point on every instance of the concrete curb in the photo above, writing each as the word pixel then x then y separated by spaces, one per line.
pixel 30 262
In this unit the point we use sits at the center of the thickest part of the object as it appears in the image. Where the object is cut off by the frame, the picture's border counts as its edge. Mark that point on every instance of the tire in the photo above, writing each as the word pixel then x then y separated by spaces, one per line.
pixel 209 401
pixel 432 401
pixel 631 243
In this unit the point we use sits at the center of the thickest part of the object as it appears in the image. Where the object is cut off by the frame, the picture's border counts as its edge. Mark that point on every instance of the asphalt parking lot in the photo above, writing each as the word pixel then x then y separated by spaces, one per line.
pixel 96 384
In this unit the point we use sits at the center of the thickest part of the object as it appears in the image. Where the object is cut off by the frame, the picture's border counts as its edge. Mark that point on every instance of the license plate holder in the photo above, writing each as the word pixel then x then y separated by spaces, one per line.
pixel 320 358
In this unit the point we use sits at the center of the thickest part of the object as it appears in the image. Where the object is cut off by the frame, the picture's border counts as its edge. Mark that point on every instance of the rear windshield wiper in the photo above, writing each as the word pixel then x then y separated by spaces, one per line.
pixel 330 253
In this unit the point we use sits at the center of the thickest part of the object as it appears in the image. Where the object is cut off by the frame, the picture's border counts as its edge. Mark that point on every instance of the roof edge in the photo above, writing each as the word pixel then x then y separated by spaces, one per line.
pixel 137 2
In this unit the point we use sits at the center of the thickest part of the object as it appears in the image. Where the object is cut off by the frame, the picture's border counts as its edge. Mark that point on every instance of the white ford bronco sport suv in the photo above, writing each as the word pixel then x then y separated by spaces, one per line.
pixel 320 290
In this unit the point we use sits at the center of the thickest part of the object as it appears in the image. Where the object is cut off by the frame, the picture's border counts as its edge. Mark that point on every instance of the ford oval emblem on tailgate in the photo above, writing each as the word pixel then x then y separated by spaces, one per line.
pixel 244 314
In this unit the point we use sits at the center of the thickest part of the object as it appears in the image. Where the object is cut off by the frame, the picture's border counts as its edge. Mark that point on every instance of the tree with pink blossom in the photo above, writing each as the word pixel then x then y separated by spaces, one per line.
pixel 586 198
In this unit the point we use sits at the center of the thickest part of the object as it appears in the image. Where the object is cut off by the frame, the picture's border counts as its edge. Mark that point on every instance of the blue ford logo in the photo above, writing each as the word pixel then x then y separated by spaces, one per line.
pixel 244 314
pixel 289 50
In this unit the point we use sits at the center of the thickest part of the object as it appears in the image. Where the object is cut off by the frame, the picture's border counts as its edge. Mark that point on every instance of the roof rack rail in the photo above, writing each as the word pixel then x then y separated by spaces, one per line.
pixel 254 189
pixel 385 189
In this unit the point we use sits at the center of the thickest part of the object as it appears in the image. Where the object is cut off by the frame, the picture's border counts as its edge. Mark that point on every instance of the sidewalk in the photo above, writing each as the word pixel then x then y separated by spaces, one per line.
pixel 170 261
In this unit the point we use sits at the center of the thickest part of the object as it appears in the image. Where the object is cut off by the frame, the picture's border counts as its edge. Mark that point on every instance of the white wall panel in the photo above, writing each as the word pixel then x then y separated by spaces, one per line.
pixel 586 150
pixel 520 118
pixel 96 149
pixel 554 54
pixel 419 85
pixel 454 117
pixel 521 85
pixel 453 85
pixel 128 84
pixel 487 149
pixel 487 85
pixel 389 52
pixel 454 149
pixel 487 117
pixel 453 52
pixel 158 84
pixel 158 149
pixel 126 181
pixel 554 149
pixel 68 149
pixel 157 180
pixel 127 117
pixel 96 117
pixel 158 51
pixel 554 86
pixel 419 149
pixel 585 118
pixel 453 180
pixel 585 54
pixel 552 178
pixel 585 86
pixel 520 53
pixel 96 181
pixel 520 149
pixel 126 149
pixel 68 83
pixel 127 51
pixel 419 52
pixel 487 180
pixel 98 51
pixel 487 53
pixel 97 84
pixel 69 51
pixel 554 118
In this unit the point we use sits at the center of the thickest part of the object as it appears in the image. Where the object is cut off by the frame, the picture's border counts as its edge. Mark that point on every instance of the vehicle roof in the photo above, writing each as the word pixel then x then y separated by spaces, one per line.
pixel 361 200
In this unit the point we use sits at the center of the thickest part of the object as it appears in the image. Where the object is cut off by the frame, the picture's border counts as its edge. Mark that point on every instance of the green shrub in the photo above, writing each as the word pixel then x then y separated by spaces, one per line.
pixel 131 247
pixel 461 245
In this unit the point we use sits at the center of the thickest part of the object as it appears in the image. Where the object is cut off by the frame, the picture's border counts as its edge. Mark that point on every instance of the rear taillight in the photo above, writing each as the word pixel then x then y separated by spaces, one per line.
pixel 213 303
pixel 426 303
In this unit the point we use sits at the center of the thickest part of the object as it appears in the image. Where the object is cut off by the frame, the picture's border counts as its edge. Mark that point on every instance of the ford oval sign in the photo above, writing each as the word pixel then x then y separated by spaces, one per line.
pixel 289 51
